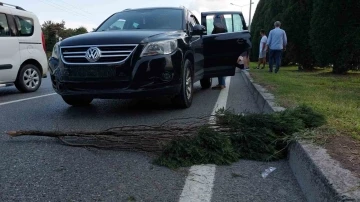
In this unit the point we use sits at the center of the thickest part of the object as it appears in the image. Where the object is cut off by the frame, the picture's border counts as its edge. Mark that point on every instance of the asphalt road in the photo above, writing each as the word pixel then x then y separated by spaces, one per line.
pixel 42 169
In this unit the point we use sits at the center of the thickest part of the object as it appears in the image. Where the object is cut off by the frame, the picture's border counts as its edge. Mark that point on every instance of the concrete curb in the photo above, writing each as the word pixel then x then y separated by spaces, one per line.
pixel 320 177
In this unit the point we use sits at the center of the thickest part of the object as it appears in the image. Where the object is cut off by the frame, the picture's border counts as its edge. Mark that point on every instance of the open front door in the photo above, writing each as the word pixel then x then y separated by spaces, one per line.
pixel 226 39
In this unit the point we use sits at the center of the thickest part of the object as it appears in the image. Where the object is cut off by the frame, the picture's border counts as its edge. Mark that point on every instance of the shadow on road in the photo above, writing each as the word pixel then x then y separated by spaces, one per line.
pixel 131 107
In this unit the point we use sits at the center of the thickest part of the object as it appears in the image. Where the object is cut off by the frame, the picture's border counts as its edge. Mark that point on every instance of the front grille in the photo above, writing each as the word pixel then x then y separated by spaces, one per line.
pixel 109 53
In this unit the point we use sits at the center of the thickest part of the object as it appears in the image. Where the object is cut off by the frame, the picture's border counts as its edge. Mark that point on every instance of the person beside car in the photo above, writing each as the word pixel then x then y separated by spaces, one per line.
pixel 219 27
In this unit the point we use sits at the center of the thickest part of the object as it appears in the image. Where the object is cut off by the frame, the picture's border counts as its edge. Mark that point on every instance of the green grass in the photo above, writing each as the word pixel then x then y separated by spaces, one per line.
pixel 335 96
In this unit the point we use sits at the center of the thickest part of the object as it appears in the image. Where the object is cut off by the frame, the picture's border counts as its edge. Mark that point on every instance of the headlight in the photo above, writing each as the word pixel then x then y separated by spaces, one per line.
pixel 160 48
pixel 55 52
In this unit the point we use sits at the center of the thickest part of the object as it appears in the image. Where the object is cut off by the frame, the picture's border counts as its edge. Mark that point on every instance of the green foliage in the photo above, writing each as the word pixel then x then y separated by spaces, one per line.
pixel 295 18
pixel 334 96
pixel 308 116
pixel 207 147
pixel 335 35
pixel 261 137
pixel 320 32
pixel 267 12
pixel 52 31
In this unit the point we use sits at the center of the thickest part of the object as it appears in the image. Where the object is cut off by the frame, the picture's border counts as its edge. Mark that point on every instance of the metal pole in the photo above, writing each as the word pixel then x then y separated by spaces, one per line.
pixel 250 15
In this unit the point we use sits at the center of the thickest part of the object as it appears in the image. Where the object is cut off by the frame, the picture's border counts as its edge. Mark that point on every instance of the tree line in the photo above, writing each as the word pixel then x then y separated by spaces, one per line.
pixel 321 33
pixel 53 31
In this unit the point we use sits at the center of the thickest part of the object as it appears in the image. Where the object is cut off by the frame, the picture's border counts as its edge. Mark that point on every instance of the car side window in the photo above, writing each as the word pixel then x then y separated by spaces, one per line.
pixel 4 27
pixel 238 23
pixel 25 26
pixel 223 23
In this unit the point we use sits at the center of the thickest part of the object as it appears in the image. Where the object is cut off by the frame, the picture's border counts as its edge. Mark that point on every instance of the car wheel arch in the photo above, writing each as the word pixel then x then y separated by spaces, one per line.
pixel 32 62
pixel 190 56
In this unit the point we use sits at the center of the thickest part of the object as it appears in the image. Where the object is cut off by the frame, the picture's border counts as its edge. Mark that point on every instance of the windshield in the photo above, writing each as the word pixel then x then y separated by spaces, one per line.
pixel 161 18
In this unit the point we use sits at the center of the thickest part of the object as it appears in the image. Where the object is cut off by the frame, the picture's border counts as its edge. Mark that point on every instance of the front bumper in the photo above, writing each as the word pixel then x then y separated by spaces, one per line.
pixel 136 77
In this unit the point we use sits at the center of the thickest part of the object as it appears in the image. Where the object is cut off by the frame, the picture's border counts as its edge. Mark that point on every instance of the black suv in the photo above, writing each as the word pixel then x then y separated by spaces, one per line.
pixel 148 52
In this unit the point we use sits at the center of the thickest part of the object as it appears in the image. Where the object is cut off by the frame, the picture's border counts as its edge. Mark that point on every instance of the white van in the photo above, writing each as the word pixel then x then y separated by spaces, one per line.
pixel 23 59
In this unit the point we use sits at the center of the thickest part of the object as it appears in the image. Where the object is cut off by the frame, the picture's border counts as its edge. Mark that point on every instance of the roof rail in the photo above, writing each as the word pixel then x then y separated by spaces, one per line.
pixel 127 9
pixel 17 7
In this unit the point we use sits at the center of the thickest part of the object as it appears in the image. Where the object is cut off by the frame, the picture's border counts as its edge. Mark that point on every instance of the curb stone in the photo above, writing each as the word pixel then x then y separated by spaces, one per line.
pixel 320 177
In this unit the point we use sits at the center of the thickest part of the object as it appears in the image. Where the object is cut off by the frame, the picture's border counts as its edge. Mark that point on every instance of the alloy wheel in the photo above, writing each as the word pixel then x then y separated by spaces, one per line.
pixel 188 84
pixel 31 78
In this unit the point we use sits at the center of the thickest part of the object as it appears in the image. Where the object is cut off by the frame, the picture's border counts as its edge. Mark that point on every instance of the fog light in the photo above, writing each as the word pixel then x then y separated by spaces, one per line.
pixel 166 76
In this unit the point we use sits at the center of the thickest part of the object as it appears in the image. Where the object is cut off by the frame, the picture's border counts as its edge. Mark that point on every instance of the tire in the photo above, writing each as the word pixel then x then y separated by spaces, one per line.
pixel 28 79
pixel 206 83
pixel 184 98
pixel 77 101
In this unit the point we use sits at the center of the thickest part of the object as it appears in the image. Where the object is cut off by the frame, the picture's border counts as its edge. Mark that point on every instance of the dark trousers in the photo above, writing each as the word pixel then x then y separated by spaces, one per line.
pixel 221 81
pixel 275 56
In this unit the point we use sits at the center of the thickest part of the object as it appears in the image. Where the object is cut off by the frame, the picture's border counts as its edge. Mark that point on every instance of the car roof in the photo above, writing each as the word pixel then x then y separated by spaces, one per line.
pixel 146 8
pixel 220 12
pixel 16 10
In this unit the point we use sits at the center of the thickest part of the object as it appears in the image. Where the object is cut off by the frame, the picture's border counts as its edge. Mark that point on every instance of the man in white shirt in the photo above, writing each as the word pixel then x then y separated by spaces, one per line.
pixel 262 50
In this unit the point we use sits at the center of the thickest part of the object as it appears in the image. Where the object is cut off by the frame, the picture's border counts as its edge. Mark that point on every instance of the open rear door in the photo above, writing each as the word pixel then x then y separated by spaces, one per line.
pixel 226 39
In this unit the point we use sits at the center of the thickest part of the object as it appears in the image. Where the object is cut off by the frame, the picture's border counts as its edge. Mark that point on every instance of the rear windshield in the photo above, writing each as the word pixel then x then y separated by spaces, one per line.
pixel 161 18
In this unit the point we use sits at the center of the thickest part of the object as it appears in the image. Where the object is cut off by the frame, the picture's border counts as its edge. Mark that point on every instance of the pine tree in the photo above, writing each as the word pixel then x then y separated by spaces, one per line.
pixel 256 26
pixel 266 13
pixel 297 24
pixel 334 34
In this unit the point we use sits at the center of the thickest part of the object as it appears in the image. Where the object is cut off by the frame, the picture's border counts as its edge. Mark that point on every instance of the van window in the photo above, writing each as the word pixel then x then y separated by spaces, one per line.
pixel 25 26
pixel 4 27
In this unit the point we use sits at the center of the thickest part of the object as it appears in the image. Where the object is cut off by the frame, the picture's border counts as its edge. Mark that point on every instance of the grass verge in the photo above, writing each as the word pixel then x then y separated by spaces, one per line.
pixel 335 96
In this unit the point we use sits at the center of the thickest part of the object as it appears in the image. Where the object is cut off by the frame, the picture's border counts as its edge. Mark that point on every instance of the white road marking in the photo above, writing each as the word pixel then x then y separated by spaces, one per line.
pixel 25 99
pixel 200 181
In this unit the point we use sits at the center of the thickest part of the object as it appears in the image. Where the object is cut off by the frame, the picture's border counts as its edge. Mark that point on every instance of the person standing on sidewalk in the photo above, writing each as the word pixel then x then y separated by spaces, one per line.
pixel 262 50
pixel 276 44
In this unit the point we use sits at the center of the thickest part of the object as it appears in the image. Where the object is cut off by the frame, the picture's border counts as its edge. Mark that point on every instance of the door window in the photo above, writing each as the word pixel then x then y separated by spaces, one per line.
pixel 4 27
pixel 238 23
pixel 25 26
pixel 223 23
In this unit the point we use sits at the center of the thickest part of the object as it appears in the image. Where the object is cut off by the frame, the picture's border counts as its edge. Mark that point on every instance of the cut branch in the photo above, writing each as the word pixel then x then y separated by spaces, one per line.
pixel 137 137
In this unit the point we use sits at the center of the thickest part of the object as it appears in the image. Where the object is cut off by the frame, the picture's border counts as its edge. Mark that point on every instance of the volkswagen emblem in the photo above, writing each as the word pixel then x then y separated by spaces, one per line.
pixel 93 54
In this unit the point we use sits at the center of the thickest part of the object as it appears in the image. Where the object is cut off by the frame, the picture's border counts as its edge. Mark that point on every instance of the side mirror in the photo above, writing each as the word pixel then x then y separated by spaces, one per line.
pixel 199 30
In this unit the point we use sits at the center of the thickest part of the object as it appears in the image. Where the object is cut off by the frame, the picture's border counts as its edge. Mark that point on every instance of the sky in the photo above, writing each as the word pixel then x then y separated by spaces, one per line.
pixel 91 13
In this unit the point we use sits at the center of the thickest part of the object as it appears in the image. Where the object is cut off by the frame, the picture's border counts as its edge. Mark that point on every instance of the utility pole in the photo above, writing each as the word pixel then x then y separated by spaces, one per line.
pixel 250 14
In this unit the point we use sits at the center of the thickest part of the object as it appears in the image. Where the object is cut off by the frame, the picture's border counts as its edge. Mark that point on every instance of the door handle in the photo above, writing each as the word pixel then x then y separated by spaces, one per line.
pixel 240 41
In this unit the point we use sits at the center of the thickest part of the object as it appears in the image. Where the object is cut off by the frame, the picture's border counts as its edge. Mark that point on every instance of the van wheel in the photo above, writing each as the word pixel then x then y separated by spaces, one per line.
pixel 77 101
pixel 185 97
pixel 29 79
pixel 206 83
